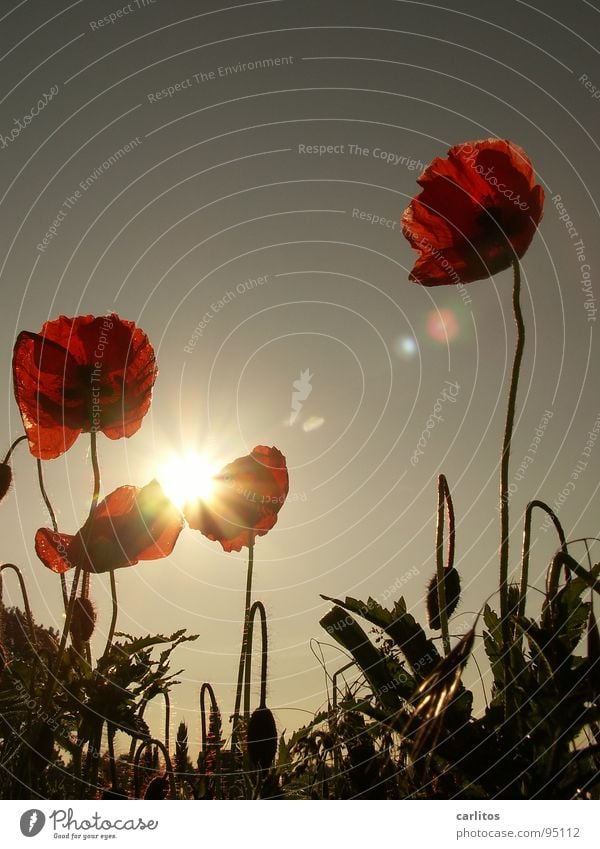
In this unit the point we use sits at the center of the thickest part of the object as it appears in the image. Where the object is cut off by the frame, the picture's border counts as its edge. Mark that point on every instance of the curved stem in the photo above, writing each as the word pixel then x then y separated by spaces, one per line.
pixel 238 694
pixel 439 556
pixel 141 711
pixel 527 547
pixel 115 612
pixel 505 459
pixel 50 509
pixel 28 615
pixel 12 448
pixel 206 688
pixel 168 767
pixel 259 607
pixel 561 558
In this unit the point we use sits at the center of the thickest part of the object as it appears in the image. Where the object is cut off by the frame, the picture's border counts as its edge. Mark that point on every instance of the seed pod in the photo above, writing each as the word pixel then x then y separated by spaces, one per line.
pixel 157 788
pixel 452 587
pixel 262 738
pixel 5 479
pixel 83 621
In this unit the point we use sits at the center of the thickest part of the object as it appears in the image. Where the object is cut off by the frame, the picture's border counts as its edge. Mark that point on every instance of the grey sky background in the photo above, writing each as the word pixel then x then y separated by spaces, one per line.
pixel 216 191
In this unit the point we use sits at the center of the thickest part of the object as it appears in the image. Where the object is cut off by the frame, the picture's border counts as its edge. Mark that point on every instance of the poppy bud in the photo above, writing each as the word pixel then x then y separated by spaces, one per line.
pixel 5 479
pixel 83 621
pixel 452 587
pixel 262 738
pixel 157 788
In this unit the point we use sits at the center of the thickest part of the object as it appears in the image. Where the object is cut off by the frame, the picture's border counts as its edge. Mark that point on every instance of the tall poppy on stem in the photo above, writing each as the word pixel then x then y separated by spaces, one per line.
pixel 246 499
pixel 129 525
pixel 476 215
pixel 81 375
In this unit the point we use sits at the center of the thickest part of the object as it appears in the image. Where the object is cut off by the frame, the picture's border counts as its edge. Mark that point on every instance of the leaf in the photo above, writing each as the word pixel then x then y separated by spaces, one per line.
pixel 398 624
pixel 348 633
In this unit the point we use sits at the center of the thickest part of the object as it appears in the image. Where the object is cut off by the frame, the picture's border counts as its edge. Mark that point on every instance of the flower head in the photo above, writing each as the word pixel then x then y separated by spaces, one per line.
pixel 130 525
pixel 478 210
pixel 246 498
pixel 80 375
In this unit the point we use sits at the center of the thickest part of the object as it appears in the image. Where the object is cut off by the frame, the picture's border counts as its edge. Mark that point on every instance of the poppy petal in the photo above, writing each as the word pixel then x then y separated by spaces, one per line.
pixel 249 493
pixel 479 208
pixel 82 374
pixel 45 385
pixel 53 550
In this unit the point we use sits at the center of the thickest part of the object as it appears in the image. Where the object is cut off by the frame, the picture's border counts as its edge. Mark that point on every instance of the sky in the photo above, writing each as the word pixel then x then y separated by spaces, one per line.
pixel 231 178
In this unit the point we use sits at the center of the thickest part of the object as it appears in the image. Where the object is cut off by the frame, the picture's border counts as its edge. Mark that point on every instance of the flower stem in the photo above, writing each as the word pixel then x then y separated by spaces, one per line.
pixel 243 652
pixel 50 508
pixel 96 469
pixel 12 448
pixel 257 607
pixel 505 459
pixel 441 574
pixel 115 612
pixel 78 570
pixel 527 546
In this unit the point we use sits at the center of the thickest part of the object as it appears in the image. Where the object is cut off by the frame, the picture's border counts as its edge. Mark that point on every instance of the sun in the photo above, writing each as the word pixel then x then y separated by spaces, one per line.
pixel 187 477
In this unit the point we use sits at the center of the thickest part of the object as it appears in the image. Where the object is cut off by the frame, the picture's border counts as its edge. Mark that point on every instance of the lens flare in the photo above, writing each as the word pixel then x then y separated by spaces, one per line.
pixel 405 346
pixel 442 325
pixel 188 477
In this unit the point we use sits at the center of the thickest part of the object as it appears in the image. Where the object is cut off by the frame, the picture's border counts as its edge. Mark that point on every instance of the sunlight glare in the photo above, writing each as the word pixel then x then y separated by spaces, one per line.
pixel 188 477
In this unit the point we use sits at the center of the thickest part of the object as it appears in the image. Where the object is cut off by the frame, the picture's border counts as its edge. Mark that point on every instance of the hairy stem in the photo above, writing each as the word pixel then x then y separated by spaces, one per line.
pixel 50 509
pixel 243 652
pixel 441 575
pixel 12 448
pixel 505 460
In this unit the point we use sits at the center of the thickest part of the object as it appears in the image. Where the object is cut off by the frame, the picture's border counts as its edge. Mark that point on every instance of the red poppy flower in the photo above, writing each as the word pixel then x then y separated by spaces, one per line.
pixel 478 209
pixel 248 495
pixel 82 374
pixel 131 524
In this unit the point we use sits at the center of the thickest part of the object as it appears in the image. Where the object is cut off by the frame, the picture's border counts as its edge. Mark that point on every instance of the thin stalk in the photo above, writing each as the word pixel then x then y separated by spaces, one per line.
pixel 242 664
pixel 167 720
pixel 439 555
pixel 96 469
pixel 563 559
pixel 52 514
pixel 206 688
pixel 28 616
pixel 110 730
pixel 141 712
pixel 505 462
pixel 259 607
pixel 527 547
pixel 78 571
pixel 115 612
pixel 168 767
pixel 12 448
pixel 25 597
